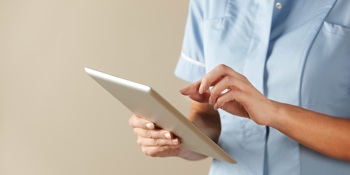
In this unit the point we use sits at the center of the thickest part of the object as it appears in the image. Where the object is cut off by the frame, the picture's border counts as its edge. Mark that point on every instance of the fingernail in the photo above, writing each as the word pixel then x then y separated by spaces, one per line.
pixel 183 90
pixel 167 135
pixel 175 141
pixel 150 125
pixel 200 91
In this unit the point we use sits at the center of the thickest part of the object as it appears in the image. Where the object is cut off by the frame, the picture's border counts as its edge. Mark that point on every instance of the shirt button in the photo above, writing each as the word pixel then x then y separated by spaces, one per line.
pixel 278 5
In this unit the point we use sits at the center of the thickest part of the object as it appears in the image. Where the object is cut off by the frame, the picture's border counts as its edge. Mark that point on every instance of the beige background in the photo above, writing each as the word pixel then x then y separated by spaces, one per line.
pixel 54 119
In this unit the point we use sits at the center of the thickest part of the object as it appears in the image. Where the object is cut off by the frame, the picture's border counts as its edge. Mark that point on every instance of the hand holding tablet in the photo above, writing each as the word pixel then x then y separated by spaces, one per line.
pixel 144 102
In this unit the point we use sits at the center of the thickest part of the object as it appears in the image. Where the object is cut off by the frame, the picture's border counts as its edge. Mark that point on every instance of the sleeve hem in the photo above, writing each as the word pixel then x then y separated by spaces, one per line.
pixel 189 69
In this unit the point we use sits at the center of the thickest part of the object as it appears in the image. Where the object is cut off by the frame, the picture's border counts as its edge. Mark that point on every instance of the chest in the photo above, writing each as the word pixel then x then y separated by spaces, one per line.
pixel 299 54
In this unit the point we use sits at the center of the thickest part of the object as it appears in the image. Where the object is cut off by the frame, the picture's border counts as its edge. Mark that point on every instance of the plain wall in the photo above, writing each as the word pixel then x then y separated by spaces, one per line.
pixel 54 119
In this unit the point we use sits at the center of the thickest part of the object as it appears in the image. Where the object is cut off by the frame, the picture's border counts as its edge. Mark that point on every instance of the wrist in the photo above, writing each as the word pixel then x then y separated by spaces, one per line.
pixel 275 113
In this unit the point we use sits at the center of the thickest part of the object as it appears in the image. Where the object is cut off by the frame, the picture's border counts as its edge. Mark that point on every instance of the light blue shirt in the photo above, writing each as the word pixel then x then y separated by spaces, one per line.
pixel 293 51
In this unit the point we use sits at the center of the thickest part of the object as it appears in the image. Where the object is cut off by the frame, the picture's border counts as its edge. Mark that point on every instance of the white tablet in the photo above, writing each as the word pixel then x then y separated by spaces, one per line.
pixel 146 102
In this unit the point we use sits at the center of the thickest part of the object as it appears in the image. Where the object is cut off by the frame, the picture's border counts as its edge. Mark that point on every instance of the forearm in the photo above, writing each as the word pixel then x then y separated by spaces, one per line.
pixel 325 134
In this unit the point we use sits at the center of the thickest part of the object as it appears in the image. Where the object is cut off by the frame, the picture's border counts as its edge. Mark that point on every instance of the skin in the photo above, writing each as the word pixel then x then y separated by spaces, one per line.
pixel 156 142
pixel 325 134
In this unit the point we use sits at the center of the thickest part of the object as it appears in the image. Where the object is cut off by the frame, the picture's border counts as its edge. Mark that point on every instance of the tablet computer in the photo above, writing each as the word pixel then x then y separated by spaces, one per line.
pixel 146 102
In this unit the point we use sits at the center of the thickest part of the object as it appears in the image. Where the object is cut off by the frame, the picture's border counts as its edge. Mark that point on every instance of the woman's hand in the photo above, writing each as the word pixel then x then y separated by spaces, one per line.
pixel 226 89
pixel 155 142
pixel 328 135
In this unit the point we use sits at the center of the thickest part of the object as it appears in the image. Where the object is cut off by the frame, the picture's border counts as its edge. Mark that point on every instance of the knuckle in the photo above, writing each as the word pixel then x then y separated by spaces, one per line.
pixel 161 142
pixel 214 92
pixel 149 133
pixel 222 66
pixel 157 134
pixel 215 96
pixel 227 80
pixel 139 142
pixel 158 142
pixel 161 149
pixel 154 142
pixel 131 121
pixel 153 134
pixel 230 79
pixel 231 82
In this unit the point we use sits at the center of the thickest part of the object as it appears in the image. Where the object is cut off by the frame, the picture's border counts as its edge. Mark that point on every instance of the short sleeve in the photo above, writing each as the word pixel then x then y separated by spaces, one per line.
pixel 191 64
